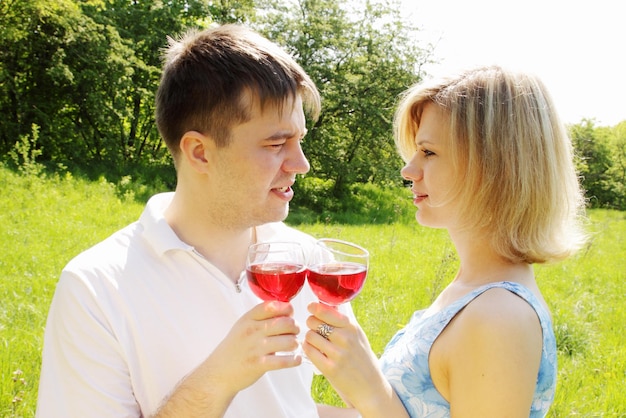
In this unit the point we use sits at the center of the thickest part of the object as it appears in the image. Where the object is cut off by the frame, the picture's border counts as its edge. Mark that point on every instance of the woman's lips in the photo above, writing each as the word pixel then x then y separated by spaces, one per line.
pixel 418 198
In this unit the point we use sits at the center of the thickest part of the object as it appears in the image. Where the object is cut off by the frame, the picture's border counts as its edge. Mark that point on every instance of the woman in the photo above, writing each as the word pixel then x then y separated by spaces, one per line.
pixel 489 161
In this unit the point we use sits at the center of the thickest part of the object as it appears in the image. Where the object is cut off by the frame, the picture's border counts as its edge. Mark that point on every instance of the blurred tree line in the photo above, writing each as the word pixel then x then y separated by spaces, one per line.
pixel 78 78
pixel 601 153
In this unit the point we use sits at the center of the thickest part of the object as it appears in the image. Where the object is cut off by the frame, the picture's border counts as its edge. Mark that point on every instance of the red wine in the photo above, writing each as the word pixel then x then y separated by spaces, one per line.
pixel 336 283
pixel 276 281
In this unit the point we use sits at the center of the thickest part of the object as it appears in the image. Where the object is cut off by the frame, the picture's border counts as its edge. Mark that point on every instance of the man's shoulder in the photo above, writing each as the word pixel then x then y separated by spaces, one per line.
pixel 110 251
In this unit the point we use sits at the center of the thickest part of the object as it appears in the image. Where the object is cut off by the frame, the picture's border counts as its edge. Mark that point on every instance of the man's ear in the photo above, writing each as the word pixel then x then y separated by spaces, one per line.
pixel 194 148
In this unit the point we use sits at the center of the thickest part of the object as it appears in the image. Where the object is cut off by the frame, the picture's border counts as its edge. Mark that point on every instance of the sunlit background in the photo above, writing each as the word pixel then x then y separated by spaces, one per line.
pixel 576 47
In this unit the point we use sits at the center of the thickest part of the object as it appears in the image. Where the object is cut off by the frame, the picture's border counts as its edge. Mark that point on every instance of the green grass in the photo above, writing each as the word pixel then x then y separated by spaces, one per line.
pixel 44 222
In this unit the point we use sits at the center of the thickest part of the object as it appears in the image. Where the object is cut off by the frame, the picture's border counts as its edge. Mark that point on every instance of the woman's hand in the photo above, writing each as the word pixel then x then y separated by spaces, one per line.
pixel 348 362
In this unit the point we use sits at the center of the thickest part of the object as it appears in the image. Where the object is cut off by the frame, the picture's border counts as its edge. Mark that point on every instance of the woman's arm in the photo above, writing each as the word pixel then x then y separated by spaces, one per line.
pixel 349 364
pixel 487 360
pixel 327 411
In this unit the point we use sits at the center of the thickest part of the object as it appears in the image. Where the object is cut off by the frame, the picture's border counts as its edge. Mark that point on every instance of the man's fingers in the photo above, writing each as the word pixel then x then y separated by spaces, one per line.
pixel 271 309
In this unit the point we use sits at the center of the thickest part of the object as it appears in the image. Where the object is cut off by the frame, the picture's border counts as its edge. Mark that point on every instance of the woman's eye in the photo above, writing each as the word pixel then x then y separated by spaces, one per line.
pixel 427 153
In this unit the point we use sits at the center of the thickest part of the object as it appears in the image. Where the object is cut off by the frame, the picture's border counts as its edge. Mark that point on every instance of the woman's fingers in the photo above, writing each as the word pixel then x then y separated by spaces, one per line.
pixel 328 314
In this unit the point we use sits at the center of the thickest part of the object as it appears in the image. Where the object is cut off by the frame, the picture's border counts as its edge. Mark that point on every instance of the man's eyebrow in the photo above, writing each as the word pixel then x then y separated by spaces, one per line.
pixel 286 134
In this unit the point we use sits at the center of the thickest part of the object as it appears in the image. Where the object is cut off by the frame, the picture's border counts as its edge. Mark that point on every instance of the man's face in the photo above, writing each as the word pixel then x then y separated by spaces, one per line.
pixel 251 178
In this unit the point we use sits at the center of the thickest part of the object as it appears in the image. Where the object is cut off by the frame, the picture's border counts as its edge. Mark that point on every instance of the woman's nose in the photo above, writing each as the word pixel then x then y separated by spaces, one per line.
pixel 411 171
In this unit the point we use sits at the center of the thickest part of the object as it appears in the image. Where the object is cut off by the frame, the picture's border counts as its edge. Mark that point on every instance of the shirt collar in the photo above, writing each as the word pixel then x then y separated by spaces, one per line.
pixel 157 232
pixel 162 238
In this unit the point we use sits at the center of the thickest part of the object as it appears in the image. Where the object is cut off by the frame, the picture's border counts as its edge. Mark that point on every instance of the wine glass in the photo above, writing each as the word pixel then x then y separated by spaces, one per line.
pixel 276 271
pixel 337 271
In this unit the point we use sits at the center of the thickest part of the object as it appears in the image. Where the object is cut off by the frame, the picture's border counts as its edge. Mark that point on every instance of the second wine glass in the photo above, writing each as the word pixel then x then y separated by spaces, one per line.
pixel 337 271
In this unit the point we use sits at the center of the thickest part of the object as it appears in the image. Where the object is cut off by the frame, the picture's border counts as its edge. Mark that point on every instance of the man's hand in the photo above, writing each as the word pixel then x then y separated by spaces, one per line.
pixel 248 350
pixel 237 362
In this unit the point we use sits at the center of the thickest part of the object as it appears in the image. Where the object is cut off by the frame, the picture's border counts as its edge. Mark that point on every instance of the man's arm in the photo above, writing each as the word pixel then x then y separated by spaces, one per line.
pixel 84 368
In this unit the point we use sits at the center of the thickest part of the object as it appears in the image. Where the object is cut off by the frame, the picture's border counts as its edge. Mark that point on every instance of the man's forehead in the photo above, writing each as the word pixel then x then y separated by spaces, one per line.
pixel 256 105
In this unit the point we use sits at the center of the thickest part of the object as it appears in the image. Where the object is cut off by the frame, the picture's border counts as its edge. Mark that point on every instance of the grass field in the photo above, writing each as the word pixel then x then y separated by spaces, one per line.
pixel 45 222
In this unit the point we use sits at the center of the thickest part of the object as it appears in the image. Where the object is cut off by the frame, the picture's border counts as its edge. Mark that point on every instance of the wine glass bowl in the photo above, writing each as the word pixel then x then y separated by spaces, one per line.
pixel 276 270
pixel 337 271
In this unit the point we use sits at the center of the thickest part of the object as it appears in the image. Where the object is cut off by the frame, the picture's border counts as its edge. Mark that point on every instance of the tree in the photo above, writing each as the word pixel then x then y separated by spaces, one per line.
pixel 616 137
pixel 138 33
pixel 31 34
pixel 361 56
pixel 71 76
pixel 86 73
pixel 593 163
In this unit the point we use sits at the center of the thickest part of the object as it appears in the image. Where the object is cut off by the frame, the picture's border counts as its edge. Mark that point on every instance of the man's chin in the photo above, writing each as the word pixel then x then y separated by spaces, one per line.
pixel 284 215
pixel 274 216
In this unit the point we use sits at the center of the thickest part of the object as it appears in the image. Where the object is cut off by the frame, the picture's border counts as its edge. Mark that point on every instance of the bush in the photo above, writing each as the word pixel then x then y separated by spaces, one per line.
pixel 317 200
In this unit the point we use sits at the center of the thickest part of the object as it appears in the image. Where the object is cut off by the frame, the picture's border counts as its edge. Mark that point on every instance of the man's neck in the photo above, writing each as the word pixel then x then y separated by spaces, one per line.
pixel 225 247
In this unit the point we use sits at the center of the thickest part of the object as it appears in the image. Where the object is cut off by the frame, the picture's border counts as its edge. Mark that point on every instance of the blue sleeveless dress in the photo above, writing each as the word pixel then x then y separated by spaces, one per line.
pixel 405 360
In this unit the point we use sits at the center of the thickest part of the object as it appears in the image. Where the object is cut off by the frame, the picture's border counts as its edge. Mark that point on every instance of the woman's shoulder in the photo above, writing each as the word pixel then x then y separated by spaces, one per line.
pixel 494 333
pixel 499 322
pixel 499 307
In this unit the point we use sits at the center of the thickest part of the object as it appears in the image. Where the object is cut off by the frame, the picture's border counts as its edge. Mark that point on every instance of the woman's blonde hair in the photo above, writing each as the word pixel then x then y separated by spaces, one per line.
pixel 513 157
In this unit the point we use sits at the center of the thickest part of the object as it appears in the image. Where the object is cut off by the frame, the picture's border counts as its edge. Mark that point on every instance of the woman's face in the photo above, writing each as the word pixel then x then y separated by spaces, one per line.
pixel 431 170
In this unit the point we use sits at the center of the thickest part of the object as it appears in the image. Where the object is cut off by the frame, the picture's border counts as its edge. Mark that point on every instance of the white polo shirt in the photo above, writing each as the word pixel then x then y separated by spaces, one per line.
pixel 137 312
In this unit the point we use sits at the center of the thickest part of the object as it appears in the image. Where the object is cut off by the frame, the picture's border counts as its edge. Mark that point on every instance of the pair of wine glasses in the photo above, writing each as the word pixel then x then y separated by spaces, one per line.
pixel 336 270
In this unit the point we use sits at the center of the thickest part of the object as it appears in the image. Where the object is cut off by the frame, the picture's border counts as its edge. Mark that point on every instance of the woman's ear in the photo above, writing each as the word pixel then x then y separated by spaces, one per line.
pixel 194 147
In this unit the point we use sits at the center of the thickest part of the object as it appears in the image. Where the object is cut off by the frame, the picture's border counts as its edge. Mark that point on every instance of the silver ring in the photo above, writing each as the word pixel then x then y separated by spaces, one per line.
pixel 325 330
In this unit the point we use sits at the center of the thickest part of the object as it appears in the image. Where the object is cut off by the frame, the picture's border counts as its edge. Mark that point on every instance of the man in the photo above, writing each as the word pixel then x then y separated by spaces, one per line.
pixel 157 320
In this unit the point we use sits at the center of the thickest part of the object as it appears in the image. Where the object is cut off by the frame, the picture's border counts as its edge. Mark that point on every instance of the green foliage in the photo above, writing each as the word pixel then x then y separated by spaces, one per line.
pixel 316 200
pixel 361 55
pixel 616 138
pixel 25 154
pixel 44 221
pixel 601 162
pixel 86 74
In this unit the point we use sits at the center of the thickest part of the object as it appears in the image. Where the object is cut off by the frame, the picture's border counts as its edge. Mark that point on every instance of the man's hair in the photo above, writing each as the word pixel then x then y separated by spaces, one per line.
pixel 512 156
pixel 209 76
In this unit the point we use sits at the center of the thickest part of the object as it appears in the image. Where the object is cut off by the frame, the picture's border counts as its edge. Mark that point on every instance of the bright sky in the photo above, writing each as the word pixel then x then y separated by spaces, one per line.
pixel 577 47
